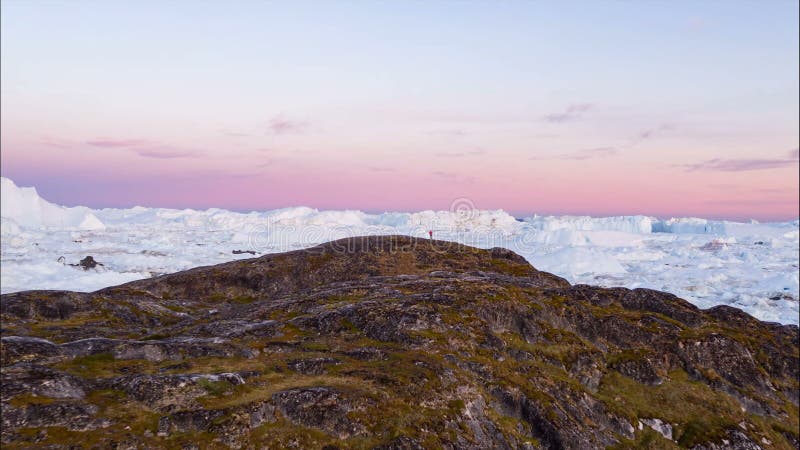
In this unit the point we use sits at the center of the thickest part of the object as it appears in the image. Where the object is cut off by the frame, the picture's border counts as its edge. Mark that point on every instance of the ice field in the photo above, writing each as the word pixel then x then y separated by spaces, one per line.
pixel 751 266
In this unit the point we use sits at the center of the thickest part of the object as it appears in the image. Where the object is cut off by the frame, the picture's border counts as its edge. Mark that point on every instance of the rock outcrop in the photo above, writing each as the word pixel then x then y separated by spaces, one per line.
pixel 390 342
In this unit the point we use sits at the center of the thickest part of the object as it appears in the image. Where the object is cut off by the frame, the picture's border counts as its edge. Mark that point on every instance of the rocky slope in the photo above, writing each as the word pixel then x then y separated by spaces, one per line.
pixel 390 343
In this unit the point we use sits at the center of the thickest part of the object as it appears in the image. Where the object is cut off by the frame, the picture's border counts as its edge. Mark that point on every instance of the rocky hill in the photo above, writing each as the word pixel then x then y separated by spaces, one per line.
pixel 390 343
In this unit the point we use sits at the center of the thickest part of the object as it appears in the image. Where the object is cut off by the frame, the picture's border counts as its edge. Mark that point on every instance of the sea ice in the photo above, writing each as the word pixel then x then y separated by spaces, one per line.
pixel 751 266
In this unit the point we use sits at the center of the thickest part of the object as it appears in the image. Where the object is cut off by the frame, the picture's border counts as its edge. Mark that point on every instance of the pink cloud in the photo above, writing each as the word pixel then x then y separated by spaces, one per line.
pixel 581 155
pixel 57 143
pixel 165 153
pixel 461 154
pixel 450 133
pixel 572 112
pixel 116 143
pixel 742 165
pixel 281 125
pixel 650 134
pixel 145 148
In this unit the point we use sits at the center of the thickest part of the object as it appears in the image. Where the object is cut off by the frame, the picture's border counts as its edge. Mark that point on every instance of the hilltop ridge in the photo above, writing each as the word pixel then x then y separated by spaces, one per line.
pixel 390 342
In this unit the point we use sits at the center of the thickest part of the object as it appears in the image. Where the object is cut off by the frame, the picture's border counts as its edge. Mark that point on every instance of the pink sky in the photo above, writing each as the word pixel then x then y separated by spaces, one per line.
pixel 103 171
pixel 679 109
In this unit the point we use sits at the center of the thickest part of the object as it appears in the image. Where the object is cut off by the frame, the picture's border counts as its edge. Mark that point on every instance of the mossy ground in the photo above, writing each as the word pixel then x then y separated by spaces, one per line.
pixel 462 339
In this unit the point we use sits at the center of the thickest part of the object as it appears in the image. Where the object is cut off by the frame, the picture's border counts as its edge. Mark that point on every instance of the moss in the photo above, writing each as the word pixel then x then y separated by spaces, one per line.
pixel 510 268
pixel 216 297
pixel 456 406
pixel 106 399
pixel 628 355
pixel 700 413
pixel 29 399
pixel 419 389
pixel 242 299
pixel 290 332
pixel 215 388
pixel 104 365
pixel 56 330
pixel 316 346
pixel 351 297
pixel 316 262
pixel 175 307
pixel 155 337
pixel 284 434
pixel 126 418
pixel 647 439
pixel 100 364
pixel 557 301
pixel 180 441
pixel 350 326
pixel 262 388
pixel 562 346
pixel 210 364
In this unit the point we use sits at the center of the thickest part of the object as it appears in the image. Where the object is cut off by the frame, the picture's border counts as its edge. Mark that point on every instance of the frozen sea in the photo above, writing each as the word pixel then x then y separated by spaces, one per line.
pixel 752 266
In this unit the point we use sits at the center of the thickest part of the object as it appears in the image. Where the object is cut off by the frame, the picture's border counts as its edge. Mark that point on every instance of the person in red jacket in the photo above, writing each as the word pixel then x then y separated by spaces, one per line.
pixel 430 234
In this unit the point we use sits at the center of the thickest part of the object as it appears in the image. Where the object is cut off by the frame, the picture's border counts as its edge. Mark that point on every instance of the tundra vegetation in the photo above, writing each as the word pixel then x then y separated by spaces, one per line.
pixel 390 342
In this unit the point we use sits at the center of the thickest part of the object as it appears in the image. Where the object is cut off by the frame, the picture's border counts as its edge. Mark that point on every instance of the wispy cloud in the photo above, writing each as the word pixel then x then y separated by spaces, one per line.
pixel 265 163
pixel 649 133
pixel 165 153
pixel 448 133
pixel 461 154
pixel 744 164
pixel 145 148
pixel 281 125
pixel 572 112
pixel 756 202
pixel 382 169
pixel 235 133
pixel 57 143
pixel 117 143
pixel 580 155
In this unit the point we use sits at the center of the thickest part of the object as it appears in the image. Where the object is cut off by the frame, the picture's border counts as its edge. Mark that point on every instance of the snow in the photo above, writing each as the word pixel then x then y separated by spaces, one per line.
pixel 24 207
pixel 751 266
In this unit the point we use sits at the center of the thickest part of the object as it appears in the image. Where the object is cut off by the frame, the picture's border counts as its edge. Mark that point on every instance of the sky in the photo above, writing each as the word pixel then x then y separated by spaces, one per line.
pixel 536 107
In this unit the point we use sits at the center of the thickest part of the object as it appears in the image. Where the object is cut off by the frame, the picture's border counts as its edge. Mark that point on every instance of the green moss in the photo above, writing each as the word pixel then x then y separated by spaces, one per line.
pixel 290 331
pixel 106 398
pixel 456 406
pixel 628 355
pixel 352 297
pixel 510 268
pixel 316 262
pixel 29 399
pixel 700 413
pixel 155 337
pixel 346 323
pixel 215 388
pixel 55 330
pixel 104 365
pixel 284 434
pixel 647 439
pixel 556 301
pixel 216 297
pixel 316 346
